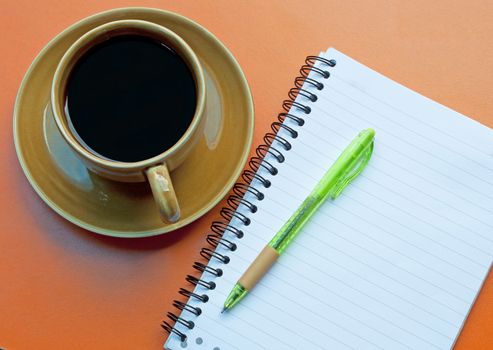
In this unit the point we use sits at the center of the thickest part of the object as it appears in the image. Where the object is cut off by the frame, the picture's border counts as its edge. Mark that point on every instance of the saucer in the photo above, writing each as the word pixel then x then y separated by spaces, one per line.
pixel 127 209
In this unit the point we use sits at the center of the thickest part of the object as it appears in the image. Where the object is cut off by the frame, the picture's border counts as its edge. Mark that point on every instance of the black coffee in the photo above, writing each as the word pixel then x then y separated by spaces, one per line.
pixel 130 98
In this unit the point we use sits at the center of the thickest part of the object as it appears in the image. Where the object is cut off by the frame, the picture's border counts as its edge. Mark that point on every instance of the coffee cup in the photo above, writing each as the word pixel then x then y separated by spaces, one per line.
pixel 138 125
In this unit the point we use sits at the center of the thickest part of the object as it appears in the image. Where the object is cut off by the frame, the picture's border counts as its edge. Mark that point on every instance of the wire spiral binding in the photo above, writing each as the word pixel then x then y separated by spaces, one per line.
pixel 222 231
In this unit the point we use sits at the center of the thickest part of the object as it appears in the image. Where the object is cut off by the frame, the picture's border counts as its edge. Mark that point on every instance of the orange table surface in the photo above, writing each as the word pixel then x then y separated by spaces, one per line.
pixel 62 287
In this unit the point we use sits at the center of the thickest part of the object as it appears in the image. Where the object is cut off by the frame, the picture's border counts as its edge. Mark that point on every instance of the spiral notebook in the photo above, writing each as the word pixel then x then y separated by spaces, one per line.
pixel 395 263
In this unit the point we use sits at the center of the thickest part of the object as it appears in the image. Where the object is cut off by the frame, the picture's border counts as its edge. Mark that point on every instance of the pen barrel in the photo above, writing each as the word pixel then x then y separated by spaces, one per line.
pixel 259 267
pixel 347 166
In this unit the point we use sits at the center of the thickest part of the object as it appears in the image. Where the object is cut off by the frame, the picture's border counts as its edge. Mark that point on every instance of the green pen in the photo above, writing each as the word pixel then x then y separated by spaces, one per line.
pixel 349 164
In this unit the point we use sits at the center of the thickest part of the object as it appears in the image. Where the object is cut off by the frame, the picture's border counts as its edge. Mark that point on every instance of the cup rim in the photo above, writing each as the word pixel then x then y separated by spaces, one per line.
pixel 81 43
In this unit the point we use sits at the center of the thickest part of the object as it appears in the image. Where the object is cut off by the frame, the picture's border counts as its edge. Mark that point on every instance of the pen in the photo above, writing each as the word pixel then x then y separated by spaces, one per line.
pixel 349 164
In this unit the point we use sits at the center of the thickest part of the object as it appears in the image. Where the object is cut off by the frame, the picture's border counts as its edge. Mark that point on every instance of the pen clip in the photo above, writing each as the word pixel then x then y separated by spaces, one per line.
pixel 353 173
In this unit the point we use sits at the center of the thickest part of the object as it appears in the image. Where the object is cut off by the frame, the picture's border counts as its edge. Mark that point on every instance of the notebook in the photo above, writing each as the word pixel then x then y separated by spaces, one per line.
pixel 395 262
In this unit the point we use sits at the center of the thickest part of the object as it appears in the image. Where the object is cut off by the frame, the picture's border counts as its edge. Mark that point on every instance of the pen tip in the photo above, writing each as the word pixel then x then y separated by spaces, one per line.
pixel 224 309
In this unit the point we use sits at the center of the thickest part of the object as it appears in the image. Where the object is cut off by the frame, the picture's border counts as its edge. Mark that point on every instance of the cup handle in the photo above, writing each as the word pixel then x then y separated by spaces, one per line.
pixel 164 193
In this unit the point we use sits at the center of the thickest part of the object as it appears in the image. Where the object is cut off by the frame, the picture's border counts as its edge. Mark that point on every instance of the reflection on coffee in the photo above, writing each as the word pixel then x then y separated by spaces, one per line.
pixel 130 98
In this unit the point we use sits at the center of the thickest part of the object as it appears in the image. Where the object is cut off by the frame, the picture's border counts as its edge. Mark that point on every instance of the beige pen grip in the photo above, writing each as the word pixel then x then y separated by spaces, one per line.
pixel 259 267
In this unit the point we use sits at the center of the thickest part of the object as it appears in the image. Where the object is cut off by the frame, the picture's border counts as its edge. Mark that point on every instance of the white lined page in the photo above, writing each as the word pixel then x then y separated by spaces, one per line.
pixel 395 262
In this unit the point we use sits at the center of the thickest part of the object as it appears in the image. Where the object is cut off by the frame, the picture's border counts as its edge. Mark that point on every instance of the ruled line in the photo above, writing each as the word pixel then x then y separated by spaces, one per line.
pixel 379 198
pixel 318 224
pixel 294 151
pixel 241 305
pixel 224 325
pixel 388 247
pixel 219 307
pixel 321 301
pixel 390 233
pixel 386 160
pixel 414 119
pixel 322 96
pixel 386 275
pixel 280 263
pixel 271 229
pixel 398 152
pixel 270 335
pixel 370 282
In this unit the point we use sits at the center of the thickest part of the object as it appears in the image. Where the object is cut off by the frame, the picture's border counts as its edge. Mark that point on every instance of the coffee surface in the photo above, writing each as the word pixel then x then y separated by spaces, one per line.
pixel 130 98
